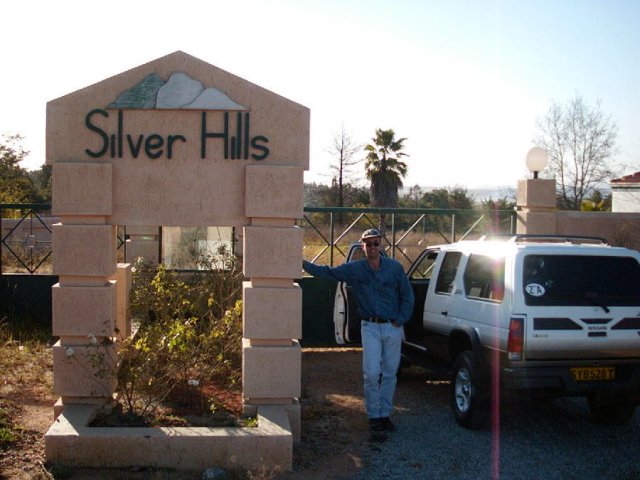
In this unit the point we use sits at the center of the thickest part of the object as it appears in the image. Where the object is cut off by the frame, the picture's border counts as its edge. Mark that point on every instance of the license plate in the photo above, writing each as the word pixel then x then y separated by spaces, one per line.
pixel 590 374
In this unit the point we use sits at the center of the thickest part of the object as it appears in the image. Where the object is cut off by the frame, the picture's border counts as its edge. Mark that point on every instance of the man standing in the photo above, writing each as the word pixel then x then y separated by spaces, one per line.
pixel 385 302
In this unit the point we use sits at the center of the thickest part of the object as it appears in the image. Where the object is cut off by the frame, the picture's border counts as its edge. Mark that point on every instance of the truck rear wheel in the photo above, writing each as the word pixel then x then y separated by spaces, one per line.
pixel 469 393
pixel 611 408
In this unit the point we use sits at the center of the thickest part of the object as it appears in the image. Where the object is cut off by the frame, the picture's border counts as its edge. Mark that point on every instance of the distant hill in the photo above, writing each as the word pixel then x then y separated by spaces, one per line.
pixel 478 194
pixel 494 193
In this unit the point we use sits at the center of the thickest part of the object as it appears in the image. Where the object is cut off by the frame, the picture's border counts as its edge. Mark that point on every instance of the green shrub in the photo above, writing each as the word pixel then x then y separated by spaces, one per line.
pixel 8 436
pixel 190 331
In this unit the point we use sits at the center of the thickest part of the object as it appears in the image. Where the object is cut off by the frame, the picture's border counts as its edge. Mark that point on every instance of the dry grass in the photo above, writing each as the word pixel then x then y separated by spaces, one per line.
pixel 25 358
pixel 26 399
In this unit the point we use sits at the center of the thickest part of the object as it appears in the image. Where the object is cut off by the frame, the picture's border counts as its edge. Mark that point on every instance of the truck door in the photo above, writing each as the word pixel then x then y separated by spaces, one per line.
pixel 419 276
pixel 441 292
pixel 346 321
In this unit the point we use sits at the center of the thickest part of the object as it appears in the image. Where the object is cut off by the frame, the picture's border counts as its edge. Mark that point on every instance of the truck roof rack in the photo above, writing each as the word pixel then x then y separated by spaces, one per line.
pixel 531 237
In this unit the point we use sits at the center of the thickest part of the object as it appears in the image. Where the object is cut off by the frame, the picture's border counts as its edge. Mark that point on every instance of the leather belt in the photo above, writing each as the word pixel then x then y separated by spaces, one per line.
pixel 378 320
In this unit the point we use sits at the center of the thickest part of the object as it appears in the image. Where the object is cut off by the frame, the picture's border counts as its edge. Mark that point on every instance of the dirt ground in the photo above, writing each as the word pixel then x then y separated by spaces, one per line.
pixel 334 427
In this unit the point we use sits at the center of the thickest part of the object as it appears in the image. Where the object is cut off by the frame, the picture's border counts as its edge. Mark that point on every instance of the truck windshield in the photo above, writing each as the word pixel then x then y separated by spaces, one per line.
pixel 581 280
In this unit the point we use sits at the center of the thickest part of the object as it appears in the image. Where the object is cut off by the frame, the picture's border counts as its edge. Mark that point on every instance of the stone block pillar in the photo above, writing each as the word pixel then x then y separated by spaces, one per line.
pixel 85 300
pixel 122 281
pixel 536 205
pixel 272 301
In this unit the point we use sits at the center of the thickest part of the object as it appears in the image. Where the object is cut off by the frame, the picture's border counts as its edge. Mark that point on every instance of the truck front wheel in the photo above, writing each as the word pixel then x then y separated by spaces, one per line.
pixel 469 393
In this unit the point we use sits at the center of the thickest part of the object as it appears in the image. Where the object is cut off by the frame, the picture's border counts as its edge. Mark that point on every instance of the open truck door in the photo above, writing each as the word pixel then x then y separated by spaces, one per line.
pixel 346 320
pixel 419 274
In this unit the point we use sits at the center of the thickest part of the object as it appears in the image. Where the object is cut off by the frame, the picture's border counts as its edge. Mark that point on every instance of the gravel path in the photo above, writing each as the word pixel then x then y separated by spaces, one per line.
pixel 534 440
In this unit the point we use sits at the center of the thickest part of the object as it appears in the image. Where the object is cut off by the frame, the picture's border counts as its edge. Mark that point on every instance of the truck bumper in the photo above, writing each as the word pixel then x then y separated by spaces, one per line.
pixel 558 379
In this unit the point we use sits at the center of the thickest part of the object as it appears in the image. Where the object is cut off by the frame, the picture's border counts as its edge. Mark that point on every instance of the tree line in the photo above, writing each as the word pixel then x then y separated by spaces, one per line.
pixel 578 138
pixel 17 185
pixel 455 198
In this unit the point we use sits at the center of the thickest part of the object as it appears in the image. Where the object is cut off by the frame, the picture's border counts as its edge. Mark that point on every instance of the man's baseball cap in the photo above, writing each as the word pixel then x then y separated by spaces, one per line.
pixel 371 233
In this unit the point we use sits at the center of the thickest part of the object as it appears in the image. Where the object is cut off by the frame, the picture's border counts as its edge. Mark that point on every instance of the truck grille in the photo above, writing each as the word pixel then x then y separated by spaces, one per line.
pixel 630 323
pixel 550 323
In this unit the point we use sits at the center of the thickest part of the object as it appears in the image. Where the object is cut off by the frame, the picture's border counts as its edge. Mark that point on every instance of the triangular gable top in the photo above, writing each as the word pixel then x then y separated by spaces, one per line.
pixel 272 116
pixel 173 62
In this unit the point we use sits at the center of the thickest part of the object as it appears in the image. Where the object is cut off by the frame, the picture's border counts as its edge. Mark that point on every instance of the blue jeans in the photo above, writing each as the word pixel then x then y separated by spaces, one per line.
pixel 381 343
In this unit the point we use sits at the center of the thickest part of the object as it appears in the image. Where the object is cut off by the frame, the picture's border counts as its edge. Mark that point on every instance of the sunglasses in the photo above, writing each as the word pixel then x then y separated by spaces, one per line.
pixel 372 244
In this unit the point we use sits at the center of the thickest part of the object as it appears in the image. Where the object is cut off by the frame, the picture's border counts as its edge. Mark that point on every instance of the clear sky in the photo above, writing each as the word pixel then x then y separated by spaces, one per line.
pixel 463 80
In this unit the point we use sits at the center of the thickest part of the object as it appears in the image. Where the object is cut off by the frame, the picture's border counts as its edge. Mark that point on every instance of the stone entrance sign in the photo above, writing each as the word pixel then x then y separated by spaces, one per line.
pixel 175 142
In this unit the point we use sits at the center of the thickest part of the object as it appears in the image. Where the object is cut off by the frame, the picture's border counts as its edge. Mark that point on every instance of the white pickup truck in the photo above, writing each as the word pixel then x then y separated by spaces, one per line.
pixel 557 316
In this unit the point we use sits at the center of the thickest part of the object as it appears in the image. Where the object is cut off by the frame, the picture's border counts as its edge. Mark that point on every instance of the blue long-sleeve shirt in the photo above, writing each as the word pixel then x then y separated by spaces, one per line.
pixel 385 293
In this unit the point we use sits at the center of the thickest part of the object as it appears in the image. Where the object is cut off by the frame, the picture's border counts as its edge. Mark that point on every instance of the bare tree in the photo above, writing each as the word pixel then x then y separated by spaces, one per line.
pixel 580 141
pixel 414 196
pixel 343 148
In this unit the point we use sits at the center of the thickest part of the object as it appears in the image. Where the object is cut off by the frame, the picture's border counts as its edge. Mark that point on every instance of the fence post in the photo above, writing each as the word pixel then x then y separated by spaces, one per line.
pixel 393 235
pixel 331 240
pixel 453 227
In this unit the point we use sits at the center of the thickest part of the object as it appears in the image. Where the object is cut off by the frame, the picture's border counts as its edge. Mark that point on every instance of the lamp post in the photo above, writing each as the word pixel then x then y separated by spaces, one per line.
pixel 537 160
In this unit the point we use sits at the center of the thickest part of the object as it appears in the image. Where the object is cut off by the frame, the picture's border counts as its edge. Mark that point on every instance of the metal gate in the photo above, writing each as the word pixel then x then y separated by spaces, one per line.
pixel 329 231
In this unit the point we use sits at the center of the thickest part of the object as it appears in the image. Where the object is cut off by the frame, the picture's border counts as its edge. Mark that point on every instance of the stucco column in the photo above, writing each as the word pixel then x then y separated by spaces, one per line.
pixel 84 301
pixel 536 206
pixel 272 302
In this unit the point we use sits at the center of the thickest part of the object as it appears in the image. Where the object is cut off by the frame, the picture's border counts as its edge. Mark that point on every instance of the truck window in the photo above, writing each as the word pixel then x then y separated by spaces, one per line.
pixel 447 272
pixel 424 269
pixel 580 280
pixel 484 278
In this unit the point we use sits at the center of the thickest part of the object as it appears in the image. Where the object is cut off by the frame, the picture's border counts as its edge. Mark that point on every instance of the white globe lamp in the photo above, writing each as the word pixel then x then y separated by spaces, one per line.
pixel 537 160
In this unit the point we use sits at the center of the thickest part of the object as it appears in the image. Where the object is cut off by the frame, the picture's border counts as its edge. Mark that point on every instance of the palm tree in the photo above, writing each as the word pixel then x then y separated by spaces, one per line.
pixel 385 170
